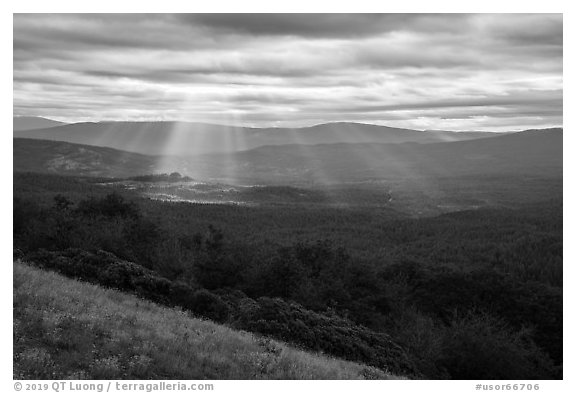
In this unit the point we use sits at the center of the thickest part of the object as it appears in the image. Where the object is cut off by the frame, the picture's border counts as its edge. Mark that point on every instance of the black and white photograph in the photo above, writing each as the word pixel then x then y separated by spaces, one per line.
pixel 287 196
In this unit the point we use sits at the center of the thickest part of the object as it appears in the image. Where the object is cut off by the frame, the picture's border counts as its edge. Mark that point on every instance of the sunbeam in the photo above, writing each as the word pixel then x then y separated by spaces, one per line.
pixel 288 196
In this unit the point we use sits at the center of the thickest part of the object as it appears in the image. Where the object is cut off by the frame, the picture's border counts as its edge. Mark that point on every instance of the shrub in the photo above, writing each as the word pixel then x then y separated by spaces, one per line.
pixel 421 336
pixel 106 269
pixel 209 305
pixel 440 291
pixel 112 205
pixel 478 346
pixel 321 332
pixel 153 287
pixel 24 212
pixel 181 293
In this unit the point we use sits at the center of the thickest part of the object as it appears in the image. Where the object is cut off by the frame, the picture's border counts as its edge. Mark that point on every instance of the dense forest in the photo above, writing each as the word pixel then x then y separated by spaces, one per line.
pixel 474 294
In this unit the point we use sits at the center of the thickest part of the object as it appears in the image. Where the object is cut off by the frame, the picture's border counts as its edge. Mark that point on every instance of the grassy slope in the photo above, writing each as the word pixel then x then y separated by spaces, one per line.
pixel 69 329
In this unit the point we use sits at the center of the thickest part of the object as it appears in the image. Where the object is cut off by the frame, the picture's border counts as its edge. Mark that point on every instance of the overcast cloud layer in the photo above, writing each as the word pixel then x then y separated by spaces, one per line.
pixel 454 72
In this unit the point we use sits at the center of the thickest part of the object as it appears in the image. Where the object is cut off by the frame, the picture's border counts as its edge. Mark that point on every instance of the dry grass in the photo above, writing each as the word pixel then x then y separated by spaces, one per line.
pixel 69 329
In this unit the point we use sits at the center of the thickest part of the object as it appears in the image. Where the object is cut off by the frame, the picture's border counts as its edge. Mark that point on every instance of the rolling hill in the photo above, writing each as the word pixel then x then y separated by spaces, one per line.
pixel 532 152
pixel 24 123
pixel 59 321
pixel 180 138
pixel 72 159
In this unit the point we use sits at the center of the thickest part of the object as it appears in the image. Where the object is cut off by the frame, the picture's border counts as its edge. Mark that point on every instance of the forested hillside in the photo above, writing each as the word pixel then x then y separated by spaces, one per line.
pixel 466 295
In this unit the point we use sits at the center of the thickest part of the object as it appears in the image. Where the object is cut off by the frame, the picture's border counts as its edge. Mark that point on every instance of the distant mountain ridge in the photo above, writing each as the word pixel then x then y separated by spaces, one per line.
pixel 181 138
pixel 532 152
pixel 25 123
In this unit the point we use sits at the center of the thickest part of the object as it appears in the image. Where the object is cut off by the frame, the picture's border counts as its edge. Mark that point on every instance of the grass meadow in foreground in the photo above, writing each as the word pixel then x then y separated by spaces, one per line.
pixel 66 329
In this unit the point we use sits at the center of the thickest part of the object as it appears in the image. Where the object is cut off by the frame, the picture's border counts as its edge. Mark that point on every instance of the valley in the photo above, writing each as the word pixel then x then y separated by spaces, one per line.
pixel 345 196
pixel 402 247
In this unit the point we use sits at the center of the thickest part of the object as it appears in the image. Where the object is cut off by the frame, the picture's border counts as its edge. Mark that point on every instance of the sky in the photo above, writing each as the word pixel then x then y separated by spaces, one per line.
pixel 491 72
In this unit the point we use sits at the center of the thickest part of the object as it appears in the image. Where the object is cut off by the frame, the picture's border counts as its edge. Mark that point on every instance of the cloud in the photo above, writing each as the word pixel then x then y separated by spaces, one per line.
pixel 324 25
pixel 460 70
pixel 523 29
